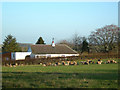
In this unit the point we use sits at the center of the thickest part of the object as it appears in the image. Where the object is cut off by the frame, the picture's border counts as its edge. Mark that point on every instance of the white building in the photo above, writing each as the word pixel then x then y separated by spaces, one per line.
pixel 19 55
pixel 54 50
pixel 45 51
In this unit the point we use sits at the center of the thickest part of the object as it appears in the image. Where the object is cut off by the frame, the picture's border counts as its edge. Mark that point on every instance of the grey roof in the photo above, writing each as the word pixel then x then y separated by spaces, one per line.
pixel 48 49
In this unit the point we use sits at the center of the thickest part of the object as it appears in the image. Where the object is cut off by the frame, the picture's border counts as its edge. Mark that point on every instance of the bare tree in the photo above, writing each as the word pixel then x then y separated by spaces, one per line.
pixel 67 42
pixel 104 38
pixel 77 41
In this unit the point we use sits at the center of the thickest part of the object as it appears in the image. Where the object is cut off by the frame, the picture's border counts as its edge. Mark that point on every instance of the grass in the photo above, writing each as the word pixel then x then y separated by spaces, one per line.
pixel 79 76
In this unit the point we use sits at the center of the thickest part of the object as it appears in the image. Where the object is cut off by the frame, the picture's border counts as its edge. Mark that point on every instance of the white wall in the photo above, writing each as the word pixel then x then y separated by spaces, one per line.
pixel 19 55
pixel 55 55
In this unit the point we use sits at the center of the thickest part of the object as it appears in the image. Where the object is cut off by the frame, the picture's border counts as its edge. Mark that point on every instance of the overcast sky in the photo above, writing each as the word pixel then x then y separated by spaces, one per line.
pixel 28 21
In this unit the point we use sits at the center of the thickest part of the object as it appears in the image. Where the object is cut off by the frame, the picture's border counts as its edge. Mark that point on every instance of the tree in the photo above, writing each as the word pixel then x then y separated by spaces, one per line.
pixel 66 42
pixel 10 44
pixel 76 42
pixel 40 41
pixel 85 46
pixel 104 38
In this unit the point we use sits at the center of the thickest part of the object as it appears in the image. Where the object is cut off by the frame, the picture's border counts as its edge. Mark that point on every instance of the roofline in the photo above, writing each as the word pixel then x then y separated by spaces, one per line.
pixel 71 48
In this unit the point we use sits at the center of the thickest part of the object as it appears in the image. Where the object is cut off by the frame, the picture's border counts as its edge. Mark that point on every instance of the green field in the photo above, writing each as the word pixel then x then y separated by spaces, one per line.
pixel 77 76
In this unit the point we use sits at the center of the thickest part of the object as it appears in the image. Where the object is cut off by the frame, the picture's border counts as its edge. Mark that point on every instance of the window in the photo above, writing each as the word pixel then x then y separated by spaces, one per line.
pixel 63 55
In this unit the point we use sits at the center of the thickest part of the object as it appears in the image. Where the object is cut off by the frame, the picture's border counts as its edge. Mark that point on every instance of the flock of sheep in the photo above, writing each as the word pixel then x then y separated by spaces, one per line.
pixel 87 62
pixel 77 63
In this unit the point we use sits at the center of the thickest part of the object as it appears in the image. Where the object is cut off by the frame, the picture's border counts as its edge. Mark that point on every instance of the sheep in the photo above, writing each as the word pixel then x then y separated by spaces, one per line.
pixel 99 62
pixel 82 62
pixel 86 63
pixel 58 63
pixel 108 61
pixel 55 65
pixel 112 61
pixel 40 63
pixel 44 65
pixel 71 63
pixel 75 63
pixel 90 61
pixel 16 64
pixel 68 62
pixel 48 64
pixel 10 65
pixel 7 64
pixel 63 63
pixel 115 62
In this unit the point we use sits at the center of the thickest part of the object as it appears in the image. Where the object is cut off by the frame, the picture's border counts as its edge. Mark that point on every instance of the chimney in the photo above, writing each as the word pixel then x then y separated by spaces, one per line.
pixel 53 44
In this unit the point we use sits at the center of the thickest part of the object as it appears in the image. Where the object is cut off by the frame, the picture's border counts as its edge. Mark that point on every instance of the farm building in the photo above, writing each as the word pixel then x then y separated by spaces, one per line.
pixel 43 51
pixel 59 50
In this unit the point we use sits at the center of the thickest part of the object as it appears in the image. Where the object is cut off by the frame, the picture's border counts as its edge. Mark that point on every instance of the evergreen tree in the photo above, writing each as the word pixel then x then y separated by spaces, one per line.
pixel 10 44
pixel 85 46
pixel 40 41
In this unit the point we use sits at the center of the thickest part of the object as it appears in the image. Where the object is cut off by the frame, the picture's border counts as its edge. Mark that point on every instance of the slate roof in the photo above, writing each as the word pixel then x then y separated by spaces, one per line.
pixel 48 49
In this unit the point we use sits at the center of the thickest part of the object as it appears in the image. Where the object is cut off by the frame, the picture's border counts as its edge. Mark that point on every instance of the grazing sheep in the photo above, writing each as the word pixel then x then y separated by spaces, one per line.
pixel 82 62
pixel 40 63
pixel 75 63
pixel 90 61
pixel 16 64
pixel 48 64
pixel 68 62
pixel 63 63
pixel 44 65
pixel 108 61
pixel 99 62
pixel 86 63
pixel 7 64
pixel 71 63
pixel 10 65
pixel 112 61
pixel 55 65
pixel 115 62
pixel 58 63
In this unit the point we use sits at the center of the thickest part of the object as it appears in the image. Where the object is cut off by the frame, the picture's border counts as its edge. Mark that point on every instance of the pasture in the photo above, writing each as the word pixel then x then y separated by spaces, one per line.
pixel 72 76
